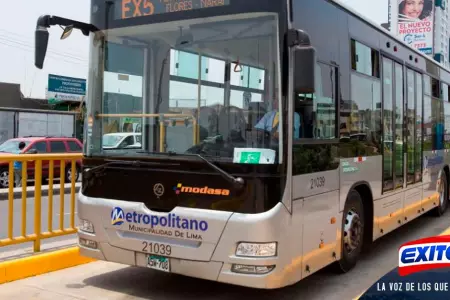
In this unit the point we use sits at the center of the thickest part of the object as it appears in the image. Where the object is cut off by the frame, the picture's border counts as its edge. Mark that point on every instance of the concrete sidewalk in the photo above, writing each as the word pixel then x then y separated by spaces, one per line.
pixel 74 283
pixel 44 190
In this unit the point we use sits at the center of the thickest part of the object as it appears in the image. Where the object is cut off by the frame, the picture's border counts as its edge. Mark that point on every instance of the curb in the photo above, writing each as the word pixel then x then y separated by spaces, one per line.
pixel 44 191
pixel 445 232
pixel 41 263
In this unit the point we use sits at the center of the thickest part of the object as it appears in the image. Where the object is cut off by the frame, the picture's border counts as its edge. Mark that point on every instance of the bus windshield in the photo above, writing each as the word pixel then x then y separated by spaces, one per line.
pixel 203 86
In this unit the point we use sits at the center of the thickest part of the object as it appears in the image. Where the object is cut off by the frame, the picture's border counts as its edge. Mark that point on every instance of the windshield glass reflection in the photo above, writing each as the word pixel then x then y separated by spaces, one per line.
pixel 205 87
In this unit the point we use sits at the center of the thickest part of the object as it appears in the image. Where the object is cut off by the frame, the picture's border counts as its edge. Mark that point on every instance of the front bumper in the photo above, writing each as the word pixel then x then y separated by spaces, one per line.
pixel 218 266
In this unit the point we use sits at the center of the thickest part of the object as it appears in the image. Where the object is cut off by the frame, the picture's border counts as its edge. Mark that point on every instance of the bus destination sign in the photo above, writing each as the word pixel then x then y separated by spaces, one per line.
pixel 139 8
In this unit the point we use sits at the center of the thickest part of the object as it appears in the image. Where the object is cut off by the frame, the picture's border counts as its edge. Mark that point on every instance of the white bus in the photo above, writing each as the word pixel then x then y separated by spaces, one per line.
pixel 223 187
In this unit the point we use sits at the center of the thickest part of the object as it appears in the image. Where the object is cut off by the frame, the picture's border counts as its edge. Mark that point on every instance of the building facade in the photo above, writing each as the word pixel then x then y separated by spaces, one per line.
pixel 423 24
pixel 442 33
pixel 19 114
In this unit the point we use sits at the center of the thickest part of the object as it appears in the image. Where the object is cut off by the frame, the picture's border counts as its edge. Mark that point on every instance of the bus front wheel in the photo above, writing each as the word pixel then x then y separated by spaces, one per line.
pixel 352 236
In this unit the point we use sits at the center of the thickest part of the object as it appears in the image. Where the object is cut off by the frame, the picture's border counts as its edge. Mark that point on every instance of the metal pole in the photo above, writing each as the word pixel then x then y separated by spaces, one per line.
pixel 197 128
pixel 37 205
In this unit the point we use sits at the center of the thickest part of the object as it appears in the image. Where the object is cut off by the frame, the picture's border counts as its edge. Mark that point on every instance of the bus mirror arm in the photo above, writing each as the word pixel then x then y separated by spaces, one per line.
pixel 41 34
pixel 305 61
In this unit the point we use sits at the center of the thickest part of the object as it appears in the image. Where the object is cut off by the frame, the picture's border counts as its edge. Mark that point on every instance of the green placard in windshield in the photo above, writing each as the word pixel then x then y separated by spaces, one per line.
pixel 138 8
pixel 250 157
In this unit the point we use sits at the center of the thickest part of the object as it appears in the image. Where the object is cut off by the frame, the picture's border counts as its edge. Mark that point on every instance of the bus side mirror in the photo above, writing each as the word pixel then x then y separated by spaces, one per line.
pixel 304 69
pixel 41 41
pixel 67 32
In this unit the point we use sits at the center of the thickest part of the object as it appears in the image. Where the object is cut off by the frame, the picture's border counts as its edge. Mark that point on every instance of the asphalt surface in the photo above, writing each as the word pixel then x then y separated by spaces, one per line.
pixel 103 280
pixel 17 222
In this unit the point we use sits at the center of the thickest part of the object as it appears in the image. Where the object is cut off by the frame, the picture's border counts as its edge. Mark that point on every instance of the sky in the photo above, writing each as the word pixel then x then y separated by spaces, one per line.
pixel 69 57
pixel 376 10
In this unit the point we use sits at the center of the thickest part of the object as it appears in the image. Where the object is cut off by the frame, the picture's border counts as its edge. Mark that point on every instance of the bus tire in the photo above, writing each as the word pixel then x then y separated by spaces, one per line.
pixel 4 178
pixel 443 196
pixel 352 237
pixel 68 175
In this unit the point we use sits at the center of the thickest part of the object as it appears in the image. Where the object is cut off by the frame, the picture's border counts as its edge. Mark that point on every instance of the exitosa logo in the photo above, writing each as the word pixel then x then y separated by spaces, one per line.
pixel 180 188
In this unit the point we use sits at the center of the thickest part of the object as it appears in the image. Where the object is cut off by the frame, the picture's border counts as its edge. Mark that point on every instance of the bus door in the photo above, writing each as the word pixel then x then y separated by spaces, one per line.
pixel 433 139
pixel 413 144
pixel 389 211
pixel 315 172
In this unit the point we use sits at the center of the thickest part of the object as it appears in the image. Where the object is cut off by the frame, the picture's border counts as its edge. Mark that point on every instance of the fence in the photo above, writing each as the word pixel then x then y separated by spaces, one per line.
pixel 57 163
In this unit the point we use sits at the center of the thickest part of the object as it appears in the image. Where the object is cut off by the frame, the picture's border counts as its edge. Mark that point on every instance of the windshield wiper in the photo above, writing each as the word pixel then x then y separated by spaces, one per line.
pixel 91 174
pixel 236 182
pixel 97 171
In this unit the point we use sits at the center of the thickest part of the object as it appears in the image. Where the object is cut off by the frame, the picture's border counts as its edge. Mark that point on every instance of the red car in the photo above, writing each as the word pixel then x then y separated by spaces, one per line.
pixel 39 145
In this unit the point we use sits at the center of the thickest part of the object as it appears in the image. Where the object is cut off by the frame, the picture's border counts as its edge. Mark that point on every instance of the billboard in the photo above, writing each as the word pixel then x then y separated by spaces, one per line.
pixel 413 22
pixel 62 88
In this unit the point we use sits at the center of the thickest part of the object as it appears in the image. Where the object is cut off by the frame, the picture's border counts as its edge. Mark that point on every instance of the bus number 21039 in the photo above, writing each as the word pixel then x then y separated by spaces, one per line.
pixel 317 182
pixel 156 248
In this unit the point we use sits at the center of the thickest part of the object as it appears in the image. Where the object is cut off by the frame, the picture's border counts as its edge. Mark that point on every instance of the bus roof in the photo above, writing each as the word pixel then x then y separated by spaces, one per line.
pixel 385 31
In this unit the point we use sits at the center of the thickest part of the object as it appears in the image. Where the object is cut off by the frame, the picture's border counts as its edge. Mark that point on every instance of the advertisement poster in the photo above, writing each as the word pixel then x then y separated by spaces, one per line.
pixel 415 24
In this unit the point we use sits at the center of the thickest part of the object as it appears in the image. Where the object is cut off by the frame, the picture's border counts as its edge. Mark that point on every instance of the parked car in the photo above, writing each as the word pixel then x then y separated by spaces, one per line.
pixel 121 140
pixel 40 145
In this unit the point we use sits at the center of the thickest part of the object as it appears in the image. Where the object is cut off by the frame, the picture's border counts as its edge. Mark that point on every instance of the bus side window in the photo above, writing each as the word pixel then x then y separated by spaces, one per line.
pixel 316 113
pixel 360 116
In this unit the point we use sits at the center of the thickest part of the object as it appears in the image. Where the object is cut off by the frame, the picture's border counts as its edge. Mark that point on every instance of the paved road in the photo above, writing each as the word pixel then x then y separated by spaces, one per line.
pixel 103 280
pixel 17 217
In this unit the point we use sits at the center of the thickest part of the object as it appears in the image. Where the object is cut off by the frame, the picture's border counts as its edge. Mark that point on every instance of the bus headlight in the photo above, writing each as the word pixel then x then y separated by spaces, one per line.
pixel 86 226
pixel 257 249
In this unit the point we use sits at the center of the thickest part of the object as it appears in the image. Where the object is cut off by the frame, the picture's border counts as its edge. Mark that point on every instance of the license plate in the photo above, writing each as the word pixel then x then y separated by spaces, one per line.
pixel 160 263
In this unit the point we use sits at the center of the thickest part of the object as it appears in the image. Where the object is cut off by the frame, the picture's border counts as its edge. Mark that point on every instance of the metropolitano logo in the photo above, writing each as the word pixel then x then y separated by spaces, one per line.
pixel 173 221
pixel 117 216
